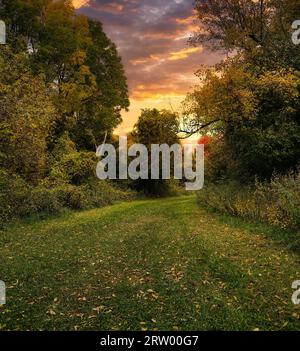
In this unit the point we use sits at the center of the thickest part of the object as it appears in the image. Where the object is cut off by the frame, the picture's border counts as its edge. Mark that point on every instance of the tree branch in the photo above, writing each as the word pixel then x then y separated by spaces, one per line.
pixel 190 133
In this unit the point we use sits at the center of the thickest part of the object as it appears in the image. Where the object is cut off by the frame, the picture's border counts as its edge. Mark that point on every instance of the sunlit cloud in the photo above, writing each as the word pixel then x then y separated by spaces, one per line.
pixel 109 7
pixel 151 58
pixel 187 20
pixel 152 39
pixel 79 3
pixel 183 54
pixel 172 56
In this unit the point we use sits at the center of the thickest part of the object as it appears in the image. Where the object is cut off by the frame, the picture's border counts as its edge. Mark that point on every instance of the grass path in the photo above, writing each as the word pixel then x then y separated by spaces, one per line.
pixel 147 265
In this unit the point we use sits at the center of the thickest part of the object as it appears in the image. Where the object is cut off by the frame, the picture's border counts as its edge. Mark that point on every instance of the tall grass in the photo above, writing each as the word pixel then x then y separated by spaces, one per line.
pixel 276 202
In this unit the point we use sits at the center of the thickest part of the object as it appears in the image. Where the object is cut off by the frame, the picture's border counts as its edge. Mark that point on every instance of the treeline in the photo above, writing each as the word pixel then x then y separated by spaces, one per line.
pixel 62 88
pixel 250 107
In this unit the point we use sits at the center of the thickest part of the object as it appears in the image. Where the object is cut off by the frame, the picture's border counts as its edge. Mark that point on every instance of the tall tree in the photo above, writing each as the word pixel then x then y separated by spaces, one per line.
pixel 261 29
pixel 77 59
pixel 27 116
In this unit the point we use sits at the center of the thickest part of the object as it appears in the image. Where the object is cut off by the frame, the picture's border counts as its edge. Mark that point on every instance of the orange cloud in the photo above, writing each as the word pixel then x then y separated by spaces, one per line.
pixel 79 3
pixel 151 37
pixel 110 7
pixel 149 59
pixel 183 54
pixel 172 56
pixel 187 20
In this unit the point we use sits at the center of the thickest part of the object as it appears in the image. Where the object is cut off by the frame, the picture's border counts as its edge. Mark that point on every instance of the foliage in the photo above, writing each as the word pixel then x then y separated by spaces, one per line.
pixel 19 200
pixel 14 197
pixel 27 116
pixel 62 85
pixel 219 161
pixel 261 29
pixel 77 60
pixel 252 98
pixel 257 115
pixel 276 203
pixel 75 168
pixel 156 127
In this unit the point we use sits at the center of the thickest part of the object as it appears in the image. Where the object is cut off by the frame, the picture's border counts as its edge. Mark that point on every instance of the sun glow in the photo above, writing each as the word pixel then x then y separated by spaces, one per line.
pixel 157 49
pixel 183 54
pixel 79 3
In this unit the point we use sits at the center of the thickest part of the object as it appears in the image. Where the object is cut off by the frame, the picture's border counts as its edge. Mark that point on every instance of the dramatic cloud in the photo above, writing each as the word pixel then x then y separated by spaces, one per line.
pixel 152 39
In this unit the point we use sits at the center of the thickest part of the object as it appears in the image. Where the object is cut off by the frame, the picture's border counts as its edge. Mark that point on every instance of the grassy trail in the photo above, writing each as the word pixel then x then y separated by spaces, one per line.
pixel 147 265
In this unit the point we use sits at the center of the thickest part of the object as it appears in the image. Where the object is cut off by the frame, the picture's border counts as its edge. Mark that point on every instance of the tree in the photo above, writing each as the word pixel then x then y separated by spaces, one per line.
pixel 103 107
pixel 156 127
pixel 252 98
pixel 77 59
pixel 233 24
pixel 27 116
pixel 261 29
pixel 256 114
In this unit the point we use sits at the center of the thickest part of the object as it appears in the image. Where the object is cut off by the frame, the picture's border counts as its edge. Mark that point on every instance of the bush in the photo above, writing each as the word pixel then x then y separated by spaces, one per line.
pixel 14 197
pixel 91 195
pixel 72 184
pixel 45 200
pixel 18 199
pixel 71 196
pixel 75 168
pixel 276 202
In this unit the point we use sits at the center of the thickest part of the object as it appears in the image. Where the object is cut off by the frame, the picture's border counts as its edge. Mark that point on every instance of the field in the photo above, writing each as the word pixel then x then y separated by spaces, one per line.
pixel 148 265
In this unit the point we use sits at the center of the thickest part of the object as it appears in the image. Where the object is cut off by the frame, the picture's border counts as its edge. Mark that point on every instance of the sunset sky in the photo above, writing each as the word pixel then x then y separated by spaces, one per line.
pixel 151 37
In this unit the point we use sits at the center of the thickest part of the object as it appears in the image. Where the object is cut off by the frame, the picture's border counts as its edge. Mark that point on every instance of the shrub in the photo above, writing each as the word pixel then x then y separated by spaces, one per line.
pixel 71 196
pixel 18 199
pixel 276 202
pixel 45 200
pixel 75 168
pixel 94 194
pixel 103 193
pixel 14 197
